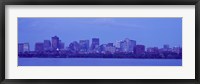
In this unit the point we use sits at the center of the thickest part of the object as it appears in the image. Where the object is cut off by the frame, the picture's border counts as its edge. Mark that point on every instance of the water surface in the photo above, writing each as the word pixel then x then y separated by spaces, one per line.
pixel 97 62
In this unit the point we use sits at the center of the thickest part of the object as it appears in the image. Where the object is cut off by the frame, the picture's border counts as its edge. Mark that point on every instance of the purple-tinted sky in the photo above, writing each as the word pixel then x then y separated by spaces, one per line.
pixel 148 31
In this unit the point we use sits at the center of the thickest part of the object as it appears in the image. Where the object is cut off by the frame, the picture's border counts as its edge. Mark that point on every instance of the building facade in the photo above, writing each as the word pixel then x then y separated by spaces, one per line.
pixel 23 47
pixel 61 45
pixel 39 47
pixel 55 43
pixel 74 46
pixel 127 45
pixel 95 44
pixel 47 45
pixel 84 45
pixel 139 49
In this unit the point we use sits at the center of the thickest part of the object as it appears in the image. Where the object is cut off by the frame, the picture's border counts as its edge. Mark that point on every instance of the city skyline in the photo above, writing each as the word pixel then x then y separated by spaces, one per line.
pixel 126 48
pixel 32 48
pixel 147 31
pixel 56 44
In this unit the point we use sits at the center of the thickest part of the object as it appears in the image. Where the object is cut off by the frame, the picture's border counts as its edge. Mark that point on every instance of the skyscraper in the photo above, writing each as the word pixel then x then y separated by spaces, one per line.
pixel 102 48
pixel 61 45
pixel 26 47
pixel 123 46
pixel 152 50
pixel 95 43
pixel 20 47
pixel 110 48
pixel 127 45
pixel 84 45
pixel 139 49
pixel 55 42
pixel 117 44
pixel 39 47
pixel 132 44
pixel 23 47
pixel 74 46
pixel 47 45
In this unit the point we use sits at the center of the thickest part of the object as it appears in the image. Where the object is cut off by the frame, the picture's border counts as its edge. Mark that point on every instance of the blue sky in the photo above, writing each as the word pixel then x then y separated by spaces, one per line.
pixel 147 31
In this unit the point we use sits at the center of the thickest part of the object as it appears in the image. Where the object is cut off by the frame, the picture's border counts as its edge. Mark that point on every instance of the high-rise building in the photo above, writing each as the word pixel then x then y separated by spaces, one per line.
pixel 26 47
pixel 84 45
pixel 20 47
pixel 139 49
pixel 152 50
pixel 39 47
pixel 127 45
pixel 47 45
pixel 55 42
pixel 132 44
pixel 61 45
pixel 23 47
pixel 74 46
pixel 103 48
pixel 117 44
pixel 95 43
pixel 110 49
pixel 123 46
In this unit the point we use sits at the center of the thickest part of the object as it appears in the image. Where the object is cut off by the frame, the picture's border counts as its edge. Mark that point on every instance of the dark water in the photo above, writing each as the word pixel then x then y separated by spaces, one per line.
pixel 97 62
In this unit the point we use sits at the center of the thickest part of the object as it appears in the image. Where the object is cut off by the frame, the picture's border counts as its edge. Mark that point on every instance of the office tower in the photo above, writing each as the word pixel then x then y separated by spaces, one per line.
pixel 123 46
pixel 102 48
pixel 61 45
pixel 39 47
pixel 55 42
pixel 20 47
pixel 23 47
pixel 95 43
pixel 127 45
pixel 84 45
pixel 156 50
pixel 74 46
pixel 139 49
pixel 152 50
pixel 117 44
pixel 47 45
pixel 26 47
pixel 110 49
pixel 132 44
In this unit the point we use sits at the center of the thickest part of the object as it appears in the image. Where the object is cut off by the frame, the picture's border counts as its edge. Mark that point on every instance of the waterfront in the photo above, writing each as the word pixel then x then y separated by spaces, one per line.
pixel 97 62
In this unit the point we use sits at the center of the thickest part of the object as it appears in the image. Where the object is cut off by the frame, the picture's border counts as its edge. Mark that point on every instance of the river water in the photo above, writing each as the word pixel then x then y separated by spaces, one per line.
pixel 97 62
